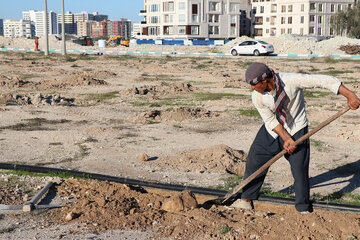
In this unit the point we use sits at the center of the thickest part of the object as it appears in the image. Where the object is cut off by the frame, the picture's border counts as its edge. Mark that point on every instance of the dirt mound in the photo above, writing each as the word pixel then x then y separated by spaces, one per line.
pixel 350 49
pixel 102 206
pixel 218 158
pixel 231 83
pixel 73 80
pixel 176 114
pixel 163 90
pixel 34 99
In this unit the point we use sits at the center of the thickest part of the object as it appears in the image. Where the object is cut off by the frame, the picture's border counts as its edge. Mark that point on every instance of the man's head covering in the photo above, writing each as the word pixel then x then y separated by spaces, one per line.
pixel 256 72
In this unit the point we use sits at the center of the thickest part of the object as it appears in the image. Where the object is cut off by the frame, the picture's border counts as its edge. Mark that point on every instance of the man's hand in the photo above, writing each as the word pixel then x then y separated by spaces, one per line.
pixel 287 147
pixel 353 100
pixel 285 136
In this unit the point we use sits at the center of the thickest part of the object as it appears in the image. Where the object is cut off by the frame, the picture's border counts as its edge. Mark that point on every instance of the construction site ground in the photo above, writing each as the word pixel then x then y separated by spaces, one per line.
pixel 183 120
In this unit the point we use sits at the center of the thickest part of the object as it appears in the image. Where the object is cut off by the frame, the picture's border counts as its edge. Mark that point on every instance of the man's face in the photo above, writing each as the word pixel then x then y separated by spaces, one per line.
pixel 260 87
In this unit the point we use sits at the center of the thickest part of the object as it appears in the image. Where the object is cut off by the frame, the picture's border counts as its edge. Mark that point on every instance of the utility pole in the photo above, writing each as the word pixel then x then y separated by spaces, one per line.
pixel 63 28
pixel 46 29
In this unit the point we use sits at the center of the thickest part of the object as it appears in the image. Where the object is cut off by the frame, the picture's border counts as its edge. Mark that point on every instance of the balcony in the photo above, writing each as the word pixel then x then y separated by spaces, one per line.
pixel 143 22
pixel 142 13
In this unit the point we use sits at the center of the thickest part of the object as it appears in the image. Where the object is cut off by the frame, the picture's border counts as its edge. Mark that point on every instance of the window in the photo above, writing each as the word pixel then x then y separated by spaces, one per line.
pixel 290 8
pixel 232 7
pixel 331 31
pixel 168 6
pixel 332 8
pixel 289 20
pixel 258 20
pixel 319 31
pixel 181 5
pixel 339 7
pixel 282 31
pixel 181 30
pixel 262 9
pixel 302 7
pixel 283 8
pixel 282 20
pixel 311 30
pixel 312 6
pixel 302 19
pixel 312 18
pixel 232 19
pixel 168 30
pixel 194 9
pixel 273 8
pixel 181 18
pixel 319 19
pixel 258 32
pixel 154 19
pixel 194 30
pixel 232 30
pixel 267 19
pixel 320 7
pixel 213 18
pixel 194 18
pixel 154 8
pixel 153 31
pixel 289 30
pixel 214 6
pixel 301 31
pixel 216 30
pixel 168 18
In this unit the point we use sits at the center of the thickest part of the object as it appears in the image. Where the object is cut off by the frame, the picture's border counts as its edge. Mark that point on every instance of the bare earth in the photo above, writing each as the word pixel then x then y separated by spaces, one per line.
pixel 188 115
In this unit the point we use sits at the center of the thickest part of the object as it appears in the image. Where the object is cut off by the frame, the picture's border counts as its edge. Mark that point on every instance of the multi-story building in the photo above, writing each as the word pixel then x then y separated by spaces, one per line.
pixel 83 16
pixel 37 17
pixel 1 27
pixel 18 28
pixel 309 17
pixel 99 17
pixel 125 28
pixel 136 30
pixel 99 29
pixel 200 19
pixel 70 25
pixel 84 28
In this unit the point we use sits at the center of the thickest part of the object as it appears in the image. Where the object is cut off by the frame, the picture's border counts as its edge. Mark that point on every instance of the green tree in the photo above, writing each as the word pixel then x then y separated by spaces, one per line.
pixel 347 22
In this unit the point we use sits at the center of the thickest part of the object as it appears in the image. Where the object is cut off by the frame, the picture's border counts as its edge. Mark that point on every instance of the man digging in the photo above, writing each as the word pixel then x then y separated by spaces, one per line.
pixel 279 99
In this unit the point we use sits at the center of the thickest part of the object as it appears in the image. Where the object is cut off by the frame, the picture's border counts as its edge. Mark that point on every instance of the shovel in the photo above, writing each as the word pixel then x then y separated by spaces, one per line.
pixel 236 189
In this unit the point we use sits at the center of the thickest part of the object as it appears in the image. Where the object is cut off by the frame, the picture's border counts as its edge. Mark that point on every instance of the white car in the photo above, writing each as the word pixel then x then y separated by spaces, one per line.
pixel 252 47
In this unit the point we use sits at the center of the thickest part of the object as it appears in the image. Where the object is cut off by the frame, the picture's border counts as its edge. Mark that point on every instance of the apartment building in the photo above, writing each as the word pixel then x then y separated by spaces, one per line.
pixel 37 17
pixel 136 30
pixel 277 17
pixel 70 25
pixel 18 28
pixel 198 19
pixel 99 29
pixel 1 27
pixel 84 28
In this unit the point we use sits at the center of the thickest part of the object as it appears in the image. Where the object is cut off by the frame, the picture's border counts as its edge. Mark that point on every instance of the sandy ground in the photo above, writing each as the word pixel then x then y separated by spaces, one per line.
pixel 188 115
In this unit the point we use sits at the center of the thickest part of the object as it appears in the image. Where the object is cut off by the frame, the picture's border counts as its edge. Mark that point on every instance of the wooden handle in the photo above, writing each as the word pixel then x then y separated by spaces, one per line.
pixel 282 153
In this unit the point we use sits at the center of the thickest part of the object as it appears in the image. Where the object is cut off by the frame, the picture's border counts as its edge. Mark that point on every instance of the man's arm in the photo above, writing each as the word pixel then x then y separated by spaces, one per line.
pixel 285 136
pixel 353 100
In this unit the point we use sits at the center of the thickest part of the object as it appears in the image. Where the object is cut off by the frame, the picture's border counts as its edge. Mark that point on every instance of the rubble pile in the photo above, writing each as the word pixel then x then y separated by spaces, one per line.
pixel 350 49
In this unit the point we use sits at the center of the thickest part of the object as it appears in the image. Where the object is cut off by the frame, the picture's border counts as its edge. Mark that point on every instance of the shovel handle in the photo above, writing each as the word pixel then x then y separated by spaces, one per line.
pixel 282 153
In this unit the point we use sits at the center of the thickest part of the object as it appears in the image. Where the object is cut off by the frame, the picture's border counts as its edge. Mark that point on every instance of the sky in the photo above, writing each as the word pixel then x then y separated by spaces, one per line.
pixel 116 9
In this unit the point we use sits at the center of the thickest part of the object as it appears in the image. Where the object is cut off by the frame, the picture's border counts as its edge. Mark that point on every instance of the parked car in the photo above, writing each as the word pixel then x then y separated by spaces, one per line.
pixel 252 47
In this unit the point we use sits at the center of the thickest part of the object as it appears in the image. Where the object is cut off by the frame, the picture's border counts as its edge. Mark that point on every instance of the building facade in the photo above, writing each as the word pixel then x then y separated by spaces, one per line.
pixel 18 28
pixel 200 19
pixel 1 27
pixel 136 30
pixel 37 17
pixel 99 29
pixel 277 17
pixel 84 28
pixel 70 25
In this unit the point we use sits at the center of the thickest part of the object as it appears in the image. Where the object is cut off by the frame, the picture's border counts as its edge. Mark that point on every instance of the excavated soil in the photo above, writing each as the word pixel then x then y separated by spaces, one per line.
pixel 193 126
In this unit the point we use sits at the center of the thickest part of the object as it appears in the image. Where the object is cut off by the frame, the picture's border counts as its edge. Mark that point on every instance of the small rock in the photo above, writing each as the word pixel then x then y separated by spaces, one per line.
pixel 144 157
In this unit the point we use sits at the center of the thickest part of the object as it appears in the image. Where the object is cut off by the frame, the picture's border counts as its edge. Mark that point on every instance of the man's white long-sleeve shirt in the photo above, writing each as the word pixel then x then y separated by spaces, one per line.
pixel 294 84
